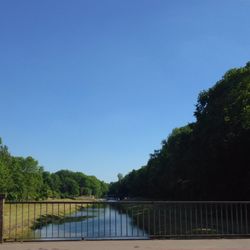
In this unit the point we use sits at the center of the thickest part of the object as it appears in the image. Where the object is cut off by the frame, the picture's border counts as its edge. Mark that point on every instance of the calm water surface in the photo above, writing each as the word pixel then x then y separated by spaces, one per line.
pixel 102 222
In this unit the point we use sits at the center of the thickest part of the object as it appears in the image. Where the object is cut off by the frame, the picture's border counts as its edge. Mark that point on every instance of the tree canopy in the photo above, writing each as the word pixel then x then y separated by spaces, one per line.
pixel 205 160
pixel 23 179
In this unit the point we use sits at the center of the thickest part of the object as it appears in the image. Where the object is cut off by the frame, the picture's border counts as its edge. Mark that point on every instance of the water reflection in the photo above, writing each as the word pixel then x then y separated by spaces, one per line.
pixel 100 222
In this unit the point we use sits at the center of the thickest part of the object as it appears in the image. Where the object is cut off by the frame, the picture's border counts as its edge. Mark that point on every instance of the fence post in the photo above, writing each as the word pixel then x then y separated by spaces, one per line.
pixel 2 198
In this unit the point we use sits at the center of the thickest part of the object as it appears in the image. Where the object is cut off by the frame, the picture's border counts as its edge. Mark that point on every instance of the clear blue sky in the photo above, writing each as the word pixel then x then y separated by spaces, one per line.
pixel 96 85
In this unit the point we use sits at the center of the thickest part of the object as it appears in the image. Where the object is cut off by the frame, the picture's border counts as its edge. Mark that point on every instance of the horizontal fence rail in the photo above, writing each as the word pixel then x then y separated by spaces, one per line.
pixel 124 220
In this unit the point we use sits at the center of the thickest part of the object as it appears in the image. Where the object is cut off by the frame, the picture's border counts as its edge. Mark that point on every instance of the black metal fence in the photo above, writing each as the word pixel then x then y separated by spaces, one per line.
pixel 124 220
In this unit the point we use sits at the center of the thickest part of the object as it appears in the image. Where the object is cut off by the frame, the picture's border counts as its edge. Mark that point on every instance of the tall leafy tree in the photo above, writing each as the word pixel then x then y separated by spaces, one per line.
pixel 208 159
pixel 23 179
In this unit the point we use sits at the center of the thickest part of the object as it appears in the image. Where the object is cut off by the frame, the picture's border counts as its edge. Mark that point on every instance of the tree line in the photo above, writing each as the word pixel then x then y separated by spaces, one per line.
pixel 23 179
pixel 208 159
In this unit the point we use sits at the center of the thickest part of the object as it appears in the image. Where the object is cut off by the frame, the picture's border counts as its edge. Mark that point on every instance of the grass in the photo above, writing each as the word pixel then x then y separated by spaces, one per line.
pixel 20 219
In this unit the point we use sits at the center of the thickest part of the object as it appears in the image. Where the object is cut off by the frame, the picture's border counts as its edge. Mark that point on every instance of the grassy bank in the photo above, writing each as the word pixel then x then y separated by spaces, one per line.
pixel 20 219
pixel 197 219
pixel 174 219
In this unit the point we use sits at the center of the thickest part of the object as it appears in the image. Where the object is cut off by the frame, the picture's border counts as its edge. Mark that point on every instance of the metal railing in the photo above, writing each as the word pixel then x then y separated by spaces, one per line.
pixel 125 220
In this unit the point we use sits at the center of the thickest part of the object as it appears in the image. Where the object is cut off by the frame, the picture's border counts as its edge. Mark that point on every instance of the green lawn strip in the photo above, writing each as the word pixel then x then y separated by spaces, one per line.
pixel 20 219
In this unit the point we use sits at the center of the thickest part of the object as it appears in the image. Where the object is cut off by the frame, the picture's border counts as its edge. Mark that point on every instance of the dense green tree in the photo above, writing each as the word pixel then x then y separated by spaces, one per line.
pixel 23 179
pixel 69 187
pixel 87 185
pixel 5 158
pixel 27 178
pixel 206 160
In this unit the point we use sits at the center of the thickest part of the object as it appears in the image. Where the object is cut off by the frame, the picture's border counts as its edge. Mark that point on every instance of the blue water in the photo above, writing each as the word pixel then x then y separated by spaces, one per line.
pixel 105 222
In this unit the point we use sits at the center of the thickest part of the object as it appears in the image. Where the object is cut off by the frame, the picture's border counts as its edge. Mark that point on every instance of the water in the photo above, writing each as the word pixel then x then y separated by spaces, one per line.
pixel 103 222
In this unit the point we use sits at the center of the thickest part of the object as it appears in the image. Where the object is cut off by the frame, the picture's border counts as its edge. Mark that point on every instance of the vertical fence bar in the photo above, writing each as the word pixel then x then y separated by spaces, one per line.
pixel 206 218
pixel 58 214
pixel 40 218
pixel 159 220
pixel 75 215
pixel 10 221
pixel 201 222
pixel 241 220
pixel 126 221
pixel 186 220
pixel 104 219
pixel 137 220
pixel 154 220
pixel 132 225
pixel 211 218
pixel 28 217
pixel 2 200
pixel 64 214
pixel 232 219
pixel 246 220
pixel 237 218
pixel 143 220
pixel 191 218
pixel 115 222
pixel 34 219
pixel 16 223
pixel 221 218
pixel 46 219
pixel 170 220
pixel 70 223
pixel 93 222
pixel 175 219
pixel 149 231
pixel 196 219
pixel 87 220
pixel 22 221
pixel 165 220
pixel 98 207
pixel 109 220
pixel 81 207
pixel 217 219
pixel 52 214
pixel 180 207
pixel 121 220
pixel 227 205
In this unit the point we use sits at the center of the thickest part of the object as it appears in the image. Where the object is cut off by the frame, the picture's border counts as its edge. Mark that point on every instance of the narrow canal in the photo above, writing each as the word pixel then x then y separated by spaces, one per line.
pixel 103 222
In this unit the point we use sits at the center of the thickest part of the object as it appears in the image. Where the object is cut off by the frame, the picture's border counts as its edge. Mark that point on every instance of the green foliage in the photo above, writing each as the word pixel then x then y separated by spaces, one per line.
pixel 23 179
pixel 76 183
pixel 70 187
pixel 5 180
pixel 205 160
